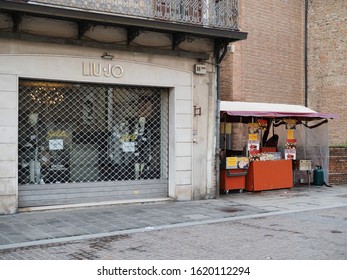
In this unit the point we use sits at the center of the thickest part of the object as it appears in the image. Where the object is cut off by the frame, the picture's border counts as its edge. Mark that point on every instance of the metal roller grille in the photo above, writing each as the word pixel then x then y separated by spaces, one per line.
pixel 91 133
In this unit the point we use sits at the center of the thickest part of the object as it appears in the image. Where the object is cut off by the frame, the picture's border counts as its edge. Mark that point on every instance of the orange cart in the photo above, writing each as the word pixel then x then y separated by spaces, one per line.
pixel 269 175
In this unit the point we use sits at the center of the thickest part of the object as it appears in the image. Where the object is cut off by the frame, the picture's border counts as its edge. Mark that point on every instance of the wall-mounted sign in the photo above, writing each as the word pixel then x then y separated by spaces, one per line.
pixel 99 69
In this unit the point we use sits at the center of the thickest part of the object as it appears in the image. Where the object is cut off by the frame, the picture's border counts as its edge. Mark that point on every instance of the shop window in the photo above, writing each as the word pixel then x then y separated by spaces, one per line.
pixel 71 132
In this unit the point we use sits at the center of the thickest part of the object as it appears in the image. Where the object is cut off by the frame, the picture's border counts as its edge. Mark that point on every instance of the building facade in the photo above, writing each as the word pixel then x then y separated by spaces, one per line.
pixel 327 63
pixel 295 53
pixel 99 106
pixel 269 65
pixel 327 75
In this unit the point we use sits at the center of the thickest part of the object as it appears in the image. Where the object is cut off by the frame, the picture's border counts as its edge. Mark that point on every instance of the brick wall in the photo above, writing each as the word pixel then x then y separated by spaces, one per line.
pixel 327 63
pixel 269 65
pixel 338 166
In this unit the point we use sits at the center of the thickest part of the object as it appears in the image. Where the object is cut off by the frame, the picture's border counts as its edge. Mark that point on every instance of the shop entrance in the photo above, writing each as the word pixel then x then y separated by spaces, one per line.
pixel 85 143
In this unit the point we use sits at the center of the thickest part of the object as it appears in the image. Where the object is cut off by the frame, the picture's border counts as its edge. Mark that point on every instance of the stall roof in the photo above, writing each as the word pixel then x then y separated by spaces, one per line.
pixel 270 110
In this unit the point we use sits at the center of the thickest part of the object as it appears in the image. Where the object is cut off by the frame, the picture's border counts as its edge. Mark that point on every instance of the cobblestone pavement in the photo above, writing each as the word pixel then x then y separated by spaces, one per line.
pixel 307 234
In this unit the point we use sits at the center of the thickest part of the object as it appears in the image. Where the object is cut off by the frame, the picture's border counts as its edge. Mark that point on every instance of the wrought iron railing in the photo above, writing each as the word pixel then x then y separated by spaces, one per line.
pixel 222 14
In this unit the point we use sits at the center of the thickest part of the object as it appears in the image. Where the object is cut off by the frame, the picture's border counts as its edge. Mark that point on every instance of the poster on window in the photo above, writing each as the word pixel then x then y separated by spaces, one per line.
pixel 253 128
pixel 128 147
pixel 291 144
pixel 262 124
pixel 55 144
pixel 253 137
pixel 290 124
pixel 253 146
pixel 290 154
pixel 242 162
pixel 231 162
pixel 290 133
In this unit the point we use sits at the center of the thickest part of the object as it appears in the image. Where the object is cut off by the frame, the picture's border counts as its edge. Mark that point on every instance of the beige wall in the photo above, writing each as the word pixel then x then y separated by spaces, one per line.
pixel 8 144
pixel 327 64
pixel 192 144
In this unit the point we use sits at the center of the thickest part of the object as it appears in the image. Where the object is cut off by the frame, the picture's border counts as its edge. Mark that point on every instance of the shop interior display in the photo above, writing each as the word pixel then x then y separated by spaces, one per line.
pixel 114 133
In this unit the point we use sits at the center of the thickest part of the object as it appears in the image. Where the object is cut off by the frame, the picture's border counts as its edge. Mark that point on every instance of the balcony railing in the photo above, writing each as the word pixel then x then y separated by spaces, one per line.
pixel 221 14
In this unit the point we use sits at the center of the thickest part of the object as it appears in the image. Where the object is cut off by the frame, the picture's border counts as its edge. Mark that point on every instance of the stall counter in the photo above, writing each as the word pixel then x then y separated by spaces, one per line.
pixel 269 175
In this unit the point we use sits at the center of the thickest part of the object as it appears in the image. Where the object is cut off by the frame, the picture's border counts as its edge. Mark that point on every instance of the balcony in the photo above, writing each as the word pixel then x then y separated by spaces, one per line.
pixel 180 20
pixel 219 14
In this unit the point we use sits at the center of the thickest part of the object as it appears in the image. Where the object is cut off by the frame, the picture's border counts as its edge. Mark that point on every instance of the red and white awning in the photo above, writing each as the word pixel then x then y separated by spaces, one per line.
pixel 270 110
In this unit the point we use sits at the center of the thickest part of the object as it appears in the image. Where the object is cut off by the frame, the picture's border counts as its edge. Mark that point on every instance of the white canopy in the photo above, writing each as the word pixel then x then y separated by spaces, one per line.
pixel 271 110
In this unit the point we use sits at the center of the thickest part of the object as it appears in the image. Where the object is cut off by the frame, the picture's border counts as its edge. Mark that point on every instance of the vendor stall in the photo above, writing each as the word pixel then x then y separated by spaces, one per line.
pixel 278 145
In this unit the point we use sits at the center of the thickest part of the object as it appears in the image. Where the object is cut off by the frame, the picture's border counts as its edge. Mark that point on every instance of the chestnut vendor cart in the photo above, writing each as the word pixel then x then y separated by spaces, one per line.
pixel 249 162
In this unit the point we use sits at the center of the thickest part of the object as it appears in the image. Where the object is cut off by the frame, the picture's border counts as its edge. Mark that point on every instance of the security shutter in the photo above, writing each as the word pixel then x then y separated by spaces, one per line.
pixel 83 143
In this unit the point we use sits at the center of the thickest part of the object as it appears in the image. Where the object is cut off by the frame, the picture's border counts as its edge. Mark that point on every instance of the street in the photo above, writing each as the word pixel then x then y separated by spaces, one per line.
pixel 319 234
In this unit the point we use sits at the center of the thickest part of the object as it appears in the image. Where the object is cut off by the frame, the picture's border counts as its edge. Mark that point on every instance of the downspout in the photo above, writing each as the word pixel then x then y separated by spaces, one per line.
pixel 306 53
pixel 220 45
pixel 305 70
pixel 218 59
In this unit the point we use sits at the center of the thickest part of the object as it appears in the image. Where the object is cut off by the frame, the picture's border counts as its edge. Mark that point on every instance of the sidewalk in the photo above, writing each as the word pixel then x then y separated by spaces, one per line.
pixel 43 227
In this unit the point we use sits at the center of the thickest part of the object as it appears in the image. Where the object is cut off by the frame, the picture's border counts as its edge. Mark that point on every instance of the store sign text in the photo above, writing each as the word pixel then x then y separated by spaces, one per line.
pixel 98 70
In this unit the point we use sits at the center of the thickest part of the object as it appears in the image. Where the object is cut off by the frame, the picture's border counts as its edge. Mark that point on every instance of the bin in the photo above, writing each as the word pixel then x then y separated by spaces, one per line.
pixel 232 179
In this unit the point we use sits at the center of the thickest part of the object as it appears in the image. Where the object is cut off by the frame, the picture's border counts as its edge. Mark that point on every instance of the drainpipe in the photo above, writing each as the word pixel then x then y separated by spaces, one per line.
pixel 306 58
pixel 306 66
pixel 218 58
pixel 217 124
